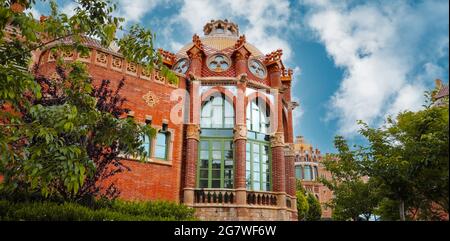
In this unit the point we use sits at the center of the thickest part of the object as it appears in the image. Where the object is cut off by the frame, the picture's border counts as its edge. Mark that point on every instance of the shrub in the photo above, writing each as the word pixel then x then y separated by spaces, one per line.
pixel 117 211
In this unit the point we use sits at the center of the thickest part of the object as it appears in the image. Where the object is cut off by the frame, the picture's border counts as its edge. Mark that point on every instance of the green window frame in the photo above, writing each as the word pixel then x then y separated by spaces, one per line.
pixel 216 163
pixel 162 145
pixel 298 172
pixel 258 166
pixel 146 144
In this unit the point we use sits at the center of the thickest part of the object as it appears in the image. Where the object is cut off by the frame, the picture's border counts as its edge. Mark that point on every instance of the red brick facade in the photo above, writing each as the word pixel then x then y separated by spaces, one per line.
pixel 149 97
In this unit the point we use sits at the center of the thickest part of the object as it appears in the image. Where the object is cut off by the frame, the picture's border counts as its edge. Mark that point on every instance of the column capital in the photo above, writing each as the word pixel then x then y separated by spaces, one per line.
pixel 193 131
pixel 240 132
pixel 289 149
pixel 277 139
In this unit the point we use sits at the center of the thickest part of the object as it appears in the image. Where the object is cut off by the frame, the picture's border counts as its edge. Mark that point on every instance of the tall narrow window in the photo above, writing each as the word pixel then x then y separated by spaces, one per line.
pixel 258 162
pixel 161 145
pixel 146 144
pixel 316 173
pixel 217 112
pixel 307 173
pixel 216 163
pixel 298 172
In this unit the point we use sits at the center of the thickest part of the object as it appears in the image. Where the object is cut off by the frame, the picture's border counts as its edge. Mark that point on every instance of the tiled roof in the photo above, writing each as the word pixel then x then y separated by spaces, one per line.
pixel 220 43
pixel 442 92
pixel 90 42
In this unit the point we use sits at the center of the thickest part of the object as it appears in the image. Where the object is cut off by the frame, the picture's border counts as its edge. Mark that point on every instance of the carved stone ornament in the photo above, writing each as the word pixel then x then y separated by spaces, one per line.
pixel 240 132
pixel 193 131
pixel 117 62
pixel 150 98
pixel 289 150
pixel 101 57
pixel 277 139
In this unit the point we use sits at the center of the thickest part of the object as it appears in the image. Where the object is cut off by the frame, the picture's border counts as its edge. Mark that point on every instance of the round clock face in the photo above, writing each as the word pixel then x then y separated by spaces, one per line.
pixel 181 66
pixel 257 68
pixel 218 63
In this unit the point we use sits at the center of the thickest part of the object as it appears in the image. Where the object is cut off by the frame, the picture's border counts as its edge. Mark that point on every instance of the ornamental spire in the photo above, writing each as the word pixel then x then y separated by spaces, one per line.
pixel 221 28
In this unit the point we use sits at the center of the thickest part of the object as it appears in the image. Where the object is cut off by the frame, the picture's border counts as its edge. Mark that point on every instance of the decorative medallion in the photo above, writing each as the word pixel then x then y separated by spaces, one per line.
pixel 159 77
pixel 257 68
pixel 67 54
pixel 131 67
pixel 85 57
pixel 146 73
pixel 218 63
pixel 116 62
pixel 150 98
pixel 101 58
pixel 181 66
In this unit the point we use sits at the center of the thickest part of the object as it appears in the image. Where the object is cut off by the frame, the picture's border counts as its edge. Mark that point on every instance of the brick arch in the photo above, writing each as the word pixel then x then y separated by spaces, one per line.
pixel 214 91
pixel 219 89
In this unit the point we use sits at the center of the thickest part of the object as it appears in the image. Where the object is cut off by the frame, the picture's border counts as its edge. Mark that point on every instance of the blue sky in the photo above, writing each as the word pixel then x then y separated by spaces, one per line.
pixel 352 59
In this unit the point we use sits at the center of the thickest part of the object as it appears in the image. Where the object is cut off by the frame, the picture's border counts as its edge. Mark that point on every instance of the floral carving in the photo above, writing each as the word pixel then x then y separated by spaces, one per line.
pixel 159 77
pixel 131 67
pixel 277 139
pixel 193 131
pixel 150 98
pixel 67 54
pixel 116 62
pixel 240 132
pixel 101 58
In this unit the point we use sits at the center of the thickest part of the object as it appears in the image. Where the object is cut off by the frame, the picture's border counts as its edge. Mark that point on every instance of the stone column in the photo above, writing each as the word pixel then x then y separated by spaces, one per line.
pixel 192 139
pixel 240 139
pixel 290 169
pixel 192 128
pixel 278 167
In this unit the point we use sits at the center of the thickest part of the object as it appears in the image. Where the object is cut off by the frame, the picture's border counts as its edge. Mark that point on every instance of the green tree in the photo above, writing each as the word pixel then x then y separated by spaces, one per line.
pixel 315 210
pixel 302 202
pixel 408 157
pixel 58 142
pixel 353 197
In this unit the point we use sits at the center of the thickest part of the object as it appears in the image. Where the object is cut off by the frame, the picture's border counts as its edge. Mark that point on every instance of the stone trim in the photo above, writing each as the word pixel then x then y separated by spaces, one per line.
pixel 240 132
pixel 193 131
pixel 277 139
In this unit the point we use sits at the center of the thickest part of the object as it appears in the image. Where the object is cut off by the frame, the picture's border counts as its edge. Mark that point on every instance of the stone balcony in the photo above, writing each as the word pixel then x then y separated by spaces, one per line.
pixel 232 204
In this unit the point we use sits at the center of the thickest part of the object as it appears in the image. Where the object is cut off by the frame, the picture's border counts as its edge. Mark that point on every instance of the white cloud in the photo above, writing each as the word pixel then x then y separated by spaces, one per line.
pixel 36 14
pixel 380 47
pixel 262 19
pixel 69 8
pixel 135 10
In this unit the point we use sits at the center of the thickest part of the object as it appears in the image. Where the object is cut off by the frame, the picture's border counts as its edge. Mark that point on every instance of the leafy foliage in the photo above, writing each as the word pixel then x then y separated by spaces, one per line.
pixel 315 210
pixel 302 202
pixel 61 137
pixel 115 211
pixel 406 164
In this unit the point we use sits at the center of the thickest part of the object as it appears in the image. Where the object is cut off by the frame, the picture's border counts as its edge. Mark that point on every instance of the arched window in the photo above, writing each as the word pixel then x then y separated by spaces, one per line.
pixel 316 173
pixel 298 172
pixel 258 162
pixel 217 112
pixel 161 145
pixel 216 163
pixel 258 116
pixel 307 173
